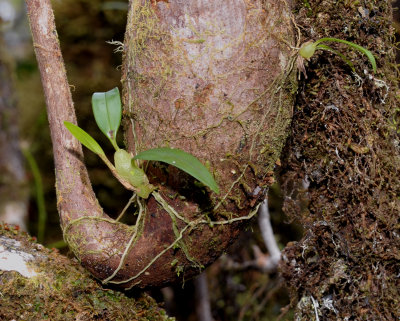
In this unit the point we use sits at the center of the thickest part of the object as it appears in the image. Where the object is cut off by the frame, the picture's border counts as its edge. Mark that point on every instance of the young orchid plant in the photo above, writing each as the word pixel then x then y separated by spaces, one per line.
pixel 308 49
pixel 107 112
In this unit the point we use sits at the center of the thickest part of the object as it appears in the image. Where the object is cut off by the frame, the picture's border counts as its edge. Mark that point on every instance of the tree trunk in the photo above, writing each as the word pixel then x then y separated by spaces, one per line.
pixel 207 79
pixel 344 152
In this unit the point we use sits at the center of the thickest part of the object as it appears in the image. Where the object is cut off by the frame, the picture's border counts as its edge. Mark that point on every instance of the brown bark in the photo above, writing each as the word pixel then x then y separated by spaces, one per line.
pixel 75 197
pixel 198 76
pixel 230 108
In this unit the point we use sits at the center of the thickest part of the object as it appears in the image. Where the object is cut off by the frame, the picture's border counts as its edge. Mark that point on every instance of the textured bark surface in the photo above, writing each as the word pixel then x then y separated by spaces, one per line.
pixel 215 82
pixel 13 185
pixel 205 77
pixel 75 197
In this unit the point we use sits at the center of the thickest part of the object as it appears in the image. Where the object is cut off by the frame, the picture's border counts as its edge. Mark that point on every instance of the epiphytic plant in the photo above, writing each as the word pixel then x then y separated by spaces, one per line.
pixel 107 113
pixel 308 49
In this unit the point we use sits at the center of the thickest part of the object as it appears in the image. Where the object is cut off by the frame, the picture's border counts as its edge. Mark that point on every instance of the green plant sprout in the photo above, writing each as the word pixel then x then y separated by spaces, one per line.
pixel 107 112
pixel 308 49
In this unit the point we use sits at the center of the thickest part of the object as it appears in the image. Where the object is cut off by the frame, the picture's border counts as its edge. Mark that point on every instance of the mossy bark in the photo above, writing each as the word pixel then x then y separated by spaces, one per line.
pixel 342 178
pixel 228 102
pixel 216 81
pixel 46 285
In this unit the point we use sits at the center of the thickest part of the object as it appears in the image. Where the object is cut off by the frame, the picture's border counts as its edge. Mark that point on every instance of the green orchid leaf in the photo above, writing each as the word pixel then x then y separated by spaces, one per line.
pixel 84 138
pixel 107 112
pixel 183 161
pixel 352 45
pixel 327 48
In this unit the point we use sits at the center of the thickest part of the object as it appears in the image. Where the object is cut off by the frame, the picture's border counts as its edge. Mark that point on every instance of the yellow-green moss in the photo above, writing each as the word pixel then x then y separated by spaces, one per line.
pixel 63 290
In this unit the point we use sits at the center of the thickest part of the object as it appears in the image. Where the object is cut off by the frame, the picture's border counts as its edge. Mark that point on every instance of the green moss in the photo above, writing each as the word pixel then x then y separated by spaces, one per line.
pixel 342 141
pixel 63 290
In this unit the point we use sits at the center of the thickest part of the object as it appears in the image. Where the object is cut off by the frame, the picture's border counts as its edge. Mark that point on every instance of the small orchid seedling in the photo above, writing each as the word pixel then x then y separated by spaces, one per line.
pixel 107 112
pixel 308 49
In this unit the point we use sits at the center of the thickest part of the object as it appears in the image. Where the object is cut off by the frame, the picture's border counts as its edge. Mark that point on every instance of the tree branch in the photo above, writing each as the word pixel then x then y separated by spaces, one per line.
pixel 72 180
pixel 146 254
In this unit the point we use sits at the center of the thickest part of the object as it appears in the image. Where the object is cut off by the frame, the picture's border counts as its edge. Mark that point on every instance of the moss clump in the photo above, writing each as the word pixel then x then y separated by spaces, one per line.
pixel 343 145
pixel 63 290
